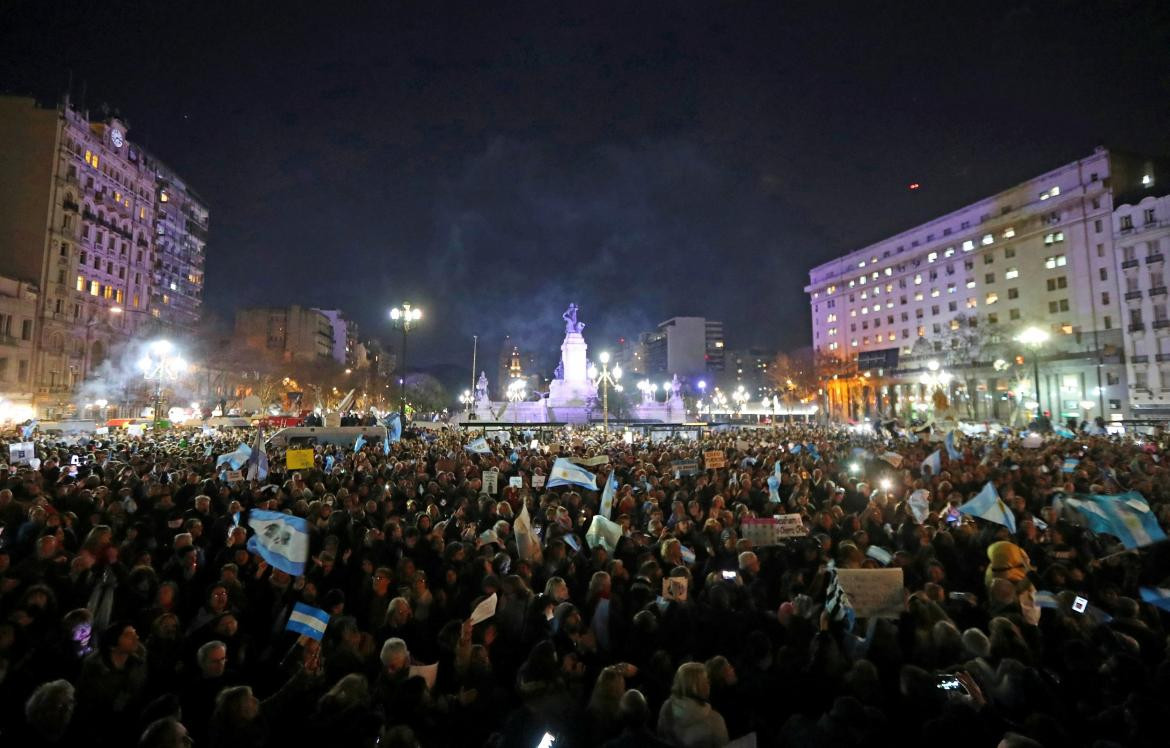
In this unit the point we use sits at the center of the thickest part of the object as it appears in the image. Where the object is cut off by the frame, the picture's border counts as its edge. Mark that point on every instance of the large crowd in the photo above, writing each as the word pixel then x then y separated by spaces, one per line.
pixel 133 612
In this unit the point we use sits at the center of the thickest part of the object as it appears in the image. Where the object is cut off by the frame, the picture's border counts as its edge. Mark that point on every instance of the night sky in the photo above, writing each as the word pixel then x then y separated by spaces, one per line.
pixel 492 161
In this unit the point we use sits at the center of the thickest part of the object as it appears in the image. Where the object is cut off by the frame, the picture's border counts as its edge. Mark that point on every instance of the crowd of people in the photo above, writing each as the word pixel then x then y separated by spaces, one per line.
pixel 134 611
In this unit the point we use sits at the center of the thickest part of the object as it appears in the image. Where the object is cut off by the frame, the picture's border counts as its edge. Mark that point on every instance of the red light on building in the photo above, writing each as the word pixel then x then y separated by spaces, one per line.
pixel 914 185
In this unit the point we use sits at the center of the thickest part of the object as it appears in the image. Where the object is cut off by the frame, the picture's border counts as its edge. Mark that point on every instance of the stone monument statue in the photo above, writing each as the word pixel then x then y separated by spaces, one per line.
pixel 572 326
pixel 675 388
pixel 481 389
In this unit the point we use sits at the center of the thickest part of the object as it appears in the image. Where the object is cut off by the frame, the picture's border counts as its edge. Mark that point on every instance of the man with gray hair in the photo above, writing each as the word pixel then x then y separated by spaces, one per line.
pixel 167 732
pixel 48 713
pixel 198 694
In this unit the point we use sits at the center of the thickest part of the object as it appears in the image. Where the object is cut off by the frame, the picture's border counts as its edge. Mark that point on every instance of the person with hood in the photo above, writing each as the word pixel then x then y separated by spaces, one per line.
pixel 686 719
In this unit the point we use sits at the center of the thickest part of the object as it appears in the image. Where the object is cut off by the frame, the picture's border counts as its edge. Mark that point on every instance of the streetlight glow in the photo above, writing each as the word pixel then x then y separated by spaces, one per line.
pixel 1033 337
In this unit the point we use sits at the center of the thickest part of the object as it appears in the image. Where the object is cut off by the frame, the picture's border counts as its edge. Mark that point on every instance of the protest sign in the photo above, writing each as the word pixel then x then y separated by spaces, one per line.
pixel 873 592
pixel 714 459
pixel 741 445
pixel 590 461
pixel 675 588
pixel 428 673
pixel 516 482
pixel 135 429
pixel 20 453
pixel 299 459
pixel 234 475
pixel 490 481
pixel 685 467
pixel 538 481
pixel 771 530
pixel 485 610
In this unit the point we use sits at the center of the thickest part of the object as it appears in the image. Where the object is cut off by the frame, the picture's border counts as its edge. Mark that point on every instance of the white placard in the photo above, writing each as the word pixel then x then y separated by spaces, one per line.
pixel 21 453
pixel 490 481
pixel 234 475
pixel 484 610
pixel 873 592
pixel 135 429
pixel 538 481
pixel 428 673
pixel 516 481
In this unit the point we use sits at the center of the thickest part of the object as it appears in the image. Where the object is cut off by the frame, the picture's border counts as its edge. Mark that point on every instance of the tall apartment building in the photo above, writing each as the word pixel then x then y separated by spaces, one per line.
pixel 345 338
pixel 18 312
pixel 77 207
pixel 955 290
pixel 686 346
pixel 1141 233
pixel 748 368
pixel 291 334
pixel 180 240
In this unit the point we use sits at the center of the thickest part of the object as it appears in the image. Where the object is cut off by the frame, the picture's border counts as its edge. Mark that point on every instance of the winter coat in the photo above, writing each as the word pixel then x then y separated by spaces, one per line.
pixel 688 723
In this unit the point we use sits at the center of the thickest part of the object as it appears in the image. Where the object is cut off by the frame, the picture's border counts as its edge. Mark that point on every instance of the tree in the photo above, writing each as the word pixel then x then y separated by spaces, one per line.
pixel 794 374
pixel 425 393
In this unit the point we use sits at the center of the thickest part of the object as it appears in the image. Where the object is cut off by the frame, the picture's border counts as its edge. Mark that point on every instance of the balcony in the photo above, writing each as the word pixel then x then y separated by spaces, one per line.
pixel 1158 291
pixel 1162 357
pixel 1151 259
pixel 1161 324
pixel 1142 359
pixel 1129 264
pixel 1137 327
pixel 1133 295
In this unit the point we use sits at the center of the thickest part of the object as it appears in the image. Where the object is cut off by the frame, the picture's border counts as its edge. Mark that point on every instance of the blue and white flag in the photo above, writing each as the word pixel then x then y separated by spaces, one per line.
pixel 776 470
pixel 934 462
pixel 307 620
pixel 1157 596
pixel 565 473
pixel 1063 431
pixel 258 460
pixel 794 449
pixel 919 503
pixel 812 450
pixel 1126 516
pixel 281 539
pixel 514 457
pixel 329 460
pixel 393 424
pixel 479 446
pixel 688 556
pixel 359 443
pixel 952 453
pixel 602 532
pixel 26 431
pixel 607 495
pixel 987 505
pixel 386 444
pixel 1070 465
pixel 773 489
pixel 237 458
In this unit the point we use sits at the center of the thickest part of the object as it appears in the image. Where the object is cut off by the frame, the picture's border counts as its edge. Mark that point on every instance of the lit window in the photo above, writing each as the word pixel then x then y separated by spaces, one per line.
pixel 873 275
pixel 934 293
pixel 950 252
pixel 932 257
pixel 81 284
pixel 970 284
pixel 864 310
pixel 922 331
pixel 94 288
pixel 968 245
pixel 861 264
pixel 1147 180
pixel 852 312
pixel 830 289
pixel 1066 328
pixel 1053 192
pixel 992 298
pixel 971 303
pixel 108 292
pixel 889 271
pixel 861 280
pixel 174 286
pixel 853 343
pixel 162 197
pixel 1012 273
pixel 918 279
pixel 988 239
pixel 1056 261
pixel 118 297
pixel 1054 237
pixel 950 288
pixel 1009 232
pixel 918 296
pixel 851 284
pixel 954 324
pixel 117 197
pixel 865 294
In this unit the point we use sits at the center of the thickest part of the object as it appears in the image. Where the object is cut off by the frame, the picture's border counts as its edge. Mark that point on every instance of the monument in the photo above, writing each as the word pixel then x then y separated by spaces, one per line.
pixel 572 395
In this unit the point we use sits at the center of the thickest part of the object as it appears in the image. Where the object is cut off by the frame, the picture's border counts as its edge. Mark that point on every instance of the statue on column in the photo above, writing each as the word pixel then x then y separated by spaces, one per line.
pixel 572 326
pixel 675 388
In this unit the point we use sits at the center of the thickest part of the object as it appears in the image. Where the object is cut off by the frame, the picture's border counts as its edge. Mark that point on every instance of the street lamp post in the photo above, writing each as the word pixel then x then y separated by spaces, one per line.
pixel 1034 337
pixel 404 318
pixel 605 378
pixel 161 363
pixel 467 399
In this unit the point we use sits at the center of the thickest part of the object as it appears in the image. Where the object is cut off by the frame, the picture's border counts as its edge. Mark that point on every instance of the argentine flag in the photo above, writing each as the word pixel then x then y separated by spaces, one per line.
pixel 607 495
pixel 776 470
pixel 393 424
pixel 1070 465
pixel 1126 516
pixel 359 443
pixel 281 539
pixel 1157 596
pixel 329 460
pixel 952 453
pixel 479 446
pixel 237 458
pixel 812 450
pixel 919 503
pixel 565 473
pixel 307 620
pixel 934 462
pixel 794 449
pixel 987 505
pixel 258 460
pixel 603 532
pixel 1064 431
pixel 27 430
pixel 773 489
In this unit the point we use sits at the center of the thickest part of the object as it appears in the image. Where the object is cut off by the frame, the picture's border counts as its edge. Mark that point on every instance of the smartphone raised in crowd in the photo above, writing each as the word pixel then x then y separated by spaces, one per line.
pixel 1079 604
pixel 729 575
pixel 950 684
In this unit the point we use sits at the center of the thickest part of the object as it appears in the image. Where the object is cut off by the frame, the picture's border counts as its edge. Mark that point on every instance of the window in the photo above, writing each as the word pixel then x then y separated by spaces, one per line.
pixel 950 252
pixel 1056 261
pixel 1054 237
pixel 922 331
pixel 1009 232
pixel 26 329
pixel 81 283
pixel 968 245
pixel 1159 312
pixel 989 278
pixel 1013 293
pixel 1126 223
pixel 918 296
pixel 952 306
pixel 971 303
pixel 918 279
pixel 1148 216
pixel 94 288
pixel 1108 321
pixel 936 328
pixel 1057 283
pixel 1104 298
pixel 987 239
pixel 1051 192
pixel 992 298
pixel 1104 274
pixel 970 284
pixel 934 293
pixel 1097 226
pixel 932 257
pixel 988 258
pixel 1015 314
pixel 993 319
pixel 1009 252
pixel 1011 274
pixel 934 310
pixel 950 288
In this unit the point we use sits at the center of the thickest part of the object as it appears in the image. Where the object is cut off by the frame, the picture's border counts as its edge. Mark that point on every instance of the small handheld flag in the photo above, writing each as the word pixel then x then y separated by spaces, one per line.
pixel 987 505
pixel 952 452
pixel 307 620
pixel 934 462
pixel 479 446
pixel 359 443
pixel 607 495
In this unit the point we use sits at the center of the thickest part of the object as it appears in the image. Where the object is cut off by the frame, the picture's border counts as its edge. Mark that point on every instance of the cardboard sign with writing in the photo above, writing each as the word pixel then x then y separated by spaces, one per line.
pixel 21 453
pixel 538 481
pixel 234 475
pixel 590 461
pixel 714 459
pixel 675 588
pixel 516 481
pixel 490 481
pixel 791 526
pixel 299 459
pixel 873 592
pixel 685 467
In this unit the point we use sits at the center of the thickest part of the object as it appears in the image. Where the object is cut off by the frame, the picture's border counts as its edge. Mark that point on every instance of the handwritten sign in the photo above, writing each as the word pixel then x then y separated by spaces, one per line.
pixel 590 461
pixel 685 467
pixel 516 482
pixel 490 481
pixel 234 475
pixel 873 592
pixel 21 453
pixel 428 673
pixel 791 526
pixel 771 530
pixel 714 459
pixel 299 459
